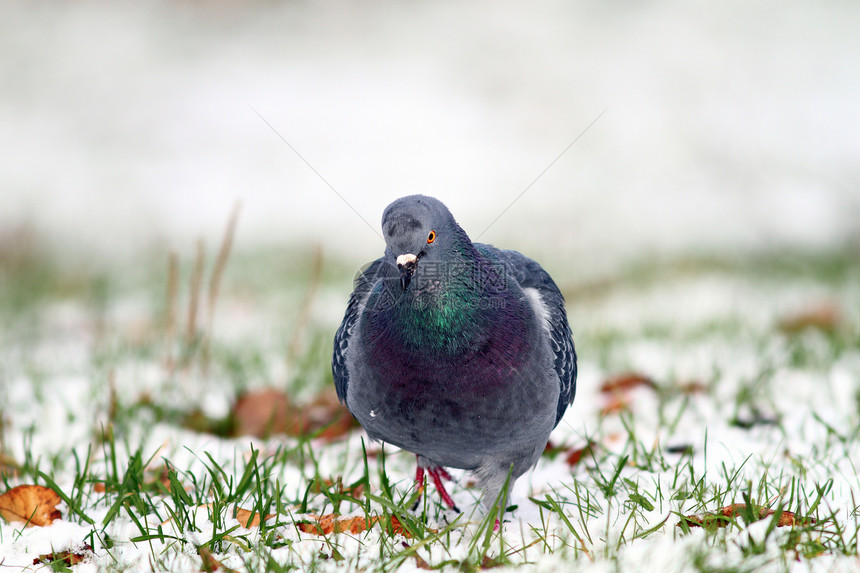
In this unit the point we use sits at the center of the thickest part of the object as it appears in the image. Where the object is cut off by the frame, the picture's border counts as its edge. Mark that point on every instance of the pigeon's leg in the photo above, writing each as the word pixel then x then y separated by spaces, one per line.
pixel 419 478
pixel 437 474
pixel 419 483
pixel 444 473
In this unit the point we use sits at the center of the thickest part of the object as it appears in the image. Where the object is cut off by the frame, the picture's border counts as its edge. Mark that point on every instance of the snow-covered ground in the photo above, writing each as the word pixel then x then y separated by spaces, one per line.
pixel 740 406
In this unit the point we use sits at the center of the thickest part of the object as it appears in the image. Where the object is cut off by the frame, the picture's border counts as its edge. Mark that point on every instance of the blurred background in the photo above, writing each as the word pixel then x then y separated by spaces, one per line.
pixel 727 126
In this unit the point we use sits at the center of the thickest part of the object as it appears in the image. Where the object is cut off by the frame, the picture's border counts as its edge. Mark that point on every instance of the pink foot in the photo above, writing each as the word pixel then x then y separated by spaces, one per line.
pixel 437 474
pixel 419 479
pixel 444 473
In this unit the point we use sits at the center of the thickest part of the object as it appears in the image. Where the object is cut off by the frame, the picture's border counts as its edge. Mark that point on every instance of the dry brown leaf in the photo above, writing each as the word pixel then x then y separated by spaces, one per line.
pixel 490 562
pixel 551 448
pixel 328 524
pixel 331 523
pixel 614 404
pixel 327 414
pixel 824 316
pixel 626 382
pixel 575 456
pixel 420 563
pixel 398 529
pixel 249 519
pixel 726 514
pixel 68 557
pixel 617 389
pixel 209 562
pixel 34 505
pixel 263 413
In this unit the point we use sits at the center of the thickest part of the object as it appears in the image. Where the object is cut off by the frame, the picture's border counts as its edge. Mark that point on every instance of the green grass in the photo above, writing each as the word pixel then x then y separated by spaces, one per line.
pixel 149 464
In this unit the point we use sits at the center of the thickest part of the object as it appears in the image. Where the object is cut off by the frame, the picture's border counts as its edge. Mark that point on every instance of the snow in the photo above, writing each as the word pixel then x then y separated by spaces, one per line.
pixel 57 413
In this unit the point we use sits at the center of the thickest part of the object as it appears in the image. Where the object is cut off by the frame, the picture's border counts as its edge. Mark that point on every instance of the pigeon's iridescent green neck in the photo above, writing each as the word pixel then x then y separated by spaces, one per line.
pixel 443 322
pixel 447 314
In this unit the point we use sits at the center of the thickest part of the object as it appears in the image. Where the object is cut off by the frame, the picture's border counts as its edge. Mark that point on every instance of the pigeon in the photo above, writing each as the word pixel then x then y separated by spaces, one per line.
pixel 458 352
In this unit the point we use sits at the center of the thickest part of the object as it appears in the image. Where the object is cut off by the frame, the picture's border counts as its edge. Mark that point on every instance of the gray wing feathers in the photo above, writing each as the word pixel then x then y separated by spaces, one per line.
pixel 363 284
pixel 529 274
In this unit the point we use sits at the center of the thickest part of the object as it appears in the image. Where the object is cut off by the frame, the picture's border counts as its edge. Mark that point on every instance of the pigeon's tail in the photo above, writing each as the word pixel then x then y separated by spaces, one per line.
pixel 497 475
pixel 492 479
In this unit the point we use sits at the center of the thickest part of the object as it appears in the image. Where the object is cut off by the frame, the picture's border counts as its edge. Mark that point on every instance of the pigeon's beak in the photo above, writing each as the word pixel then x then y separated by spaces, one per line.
pixel 406 263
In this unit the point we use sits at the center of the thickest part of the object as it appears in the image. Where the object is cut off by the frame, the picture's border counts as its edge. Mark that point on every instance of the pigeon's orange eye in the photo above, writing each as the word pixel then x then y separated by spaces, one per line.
pixel 431 237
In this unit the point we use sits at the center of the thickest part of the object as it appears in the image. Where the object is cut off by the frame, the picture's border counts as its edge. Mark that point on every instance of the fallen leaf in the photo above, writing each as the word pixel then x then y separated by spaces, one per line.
pixel 398 529
pixel 326 416
pixel 789 519
pixel 552 450
pixel 249 519
pixel 727 514
pixel 614 404
pixel 209 562
pixel 824 316
pixel 263 413
pixel 34 505
pixel 68 557
pixel 575 456
pixel 617 391
pixel 490 562
pixel 420 563
pixel 626 382
pixel 328 524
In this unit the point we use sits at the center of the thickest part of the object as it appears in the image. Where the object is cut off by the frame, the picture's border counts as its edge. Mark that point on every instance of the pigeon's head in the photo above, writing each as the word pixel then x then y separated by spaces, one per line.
pixel 419 229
